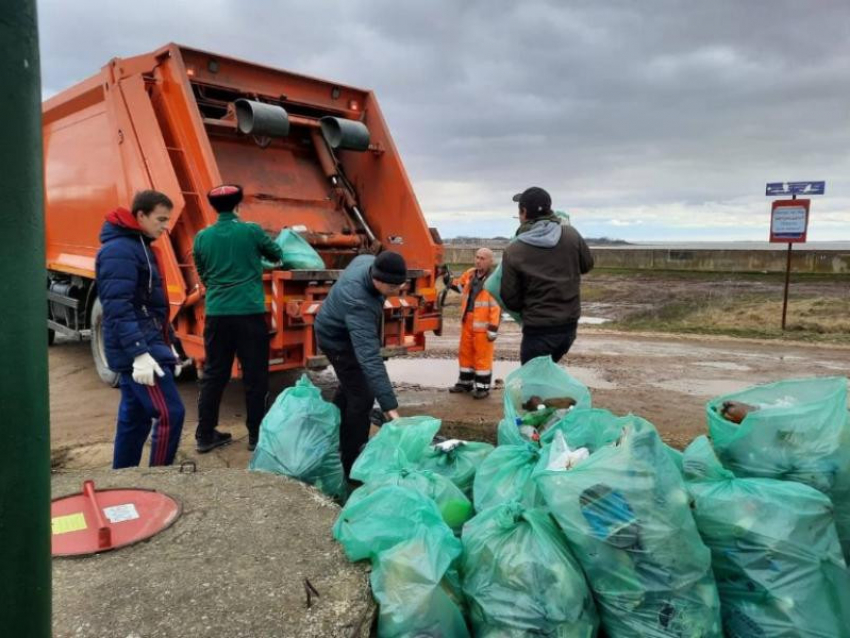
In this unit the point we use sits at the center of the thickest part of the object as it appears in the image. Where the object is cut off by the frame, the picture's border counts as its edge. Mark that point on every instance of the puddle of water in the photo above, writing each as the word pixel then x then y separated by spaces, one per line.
pixel 593 321
pixel 707 388
pixel 442 373
pixel 725 365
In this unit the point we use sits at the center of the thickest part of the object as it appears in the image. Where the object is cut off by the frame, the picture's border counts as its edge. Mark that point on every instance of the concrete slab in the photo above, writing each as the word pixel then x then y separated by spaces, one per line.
pixel 232 566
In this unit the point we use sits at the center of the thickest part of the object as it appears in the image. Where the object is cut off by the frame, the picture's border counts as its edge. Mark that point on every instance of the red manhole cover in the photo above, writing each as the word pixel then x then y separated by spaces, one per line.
pixel 99 520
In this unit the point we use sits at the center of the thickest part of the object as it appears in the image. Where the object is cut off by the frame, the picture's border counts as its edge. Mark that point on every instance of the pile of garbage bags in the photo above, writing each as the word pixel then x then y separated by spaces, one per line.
pixel 796 430
pixel 453 504
pixel 457 460
pixel 530 398
pixel 398 445
pixel 520 579
pixel 537 396
pixel 299 438
pixel 406 519
pixel 625 514
pixel 581 521
pixel 775 551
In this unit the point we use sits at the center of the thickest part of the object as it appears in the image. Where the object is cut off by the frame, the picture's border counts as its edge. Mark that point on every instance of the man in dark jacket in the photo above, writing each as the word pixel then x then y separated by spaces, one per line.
pixel 228 257
pixel 137 331
pixel 348 328
pixel 541 277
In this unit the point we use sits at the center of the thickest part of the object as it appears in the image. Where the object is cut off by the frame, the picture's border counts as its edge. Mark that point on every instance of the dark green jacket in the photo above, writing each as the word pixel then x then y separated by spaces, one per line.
pixel 350 319
pixel 228 257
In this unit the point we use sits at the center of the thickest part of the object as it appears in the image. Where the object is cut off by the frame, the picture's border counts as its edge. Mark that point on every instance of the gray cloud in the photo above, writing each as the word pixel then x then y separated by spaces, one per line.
pixel 661 108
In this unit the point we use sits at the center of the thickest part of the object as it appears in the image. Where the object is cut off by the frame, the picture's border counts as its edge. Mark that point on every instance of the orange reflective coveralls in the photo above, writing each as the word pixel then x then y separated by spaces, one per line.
pixel 480 317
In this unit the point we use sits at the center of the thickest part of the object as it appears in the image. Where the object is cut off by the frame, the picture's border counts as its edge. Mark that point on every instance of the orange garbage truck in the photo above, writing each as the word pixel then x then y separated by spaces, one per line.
pixel 311 155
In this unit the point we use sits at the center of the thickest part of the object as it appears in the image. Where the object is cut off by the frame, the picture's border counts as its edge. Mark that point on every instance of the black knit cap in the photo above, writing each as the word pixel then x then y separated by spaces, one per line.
pixel 225 198
pixel 389 267
pixel 535 201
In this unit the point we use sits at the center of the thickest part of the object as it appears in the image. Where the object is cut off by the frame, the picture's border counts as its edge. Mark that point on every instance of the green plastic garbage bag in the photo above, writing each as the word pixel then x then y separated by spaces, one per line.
pixel 592 428
pixel 540 377
pixel 493 285
pixel 595 428
pixel 800 432
pixel 391 514
pixel 400 444
pixel 625 513
pixel 453 504
pixel 775 551
pixel 506 475
pixel 297 253
pixel 456 460
pixel 519 578
pixel 414 586
pixel 299 437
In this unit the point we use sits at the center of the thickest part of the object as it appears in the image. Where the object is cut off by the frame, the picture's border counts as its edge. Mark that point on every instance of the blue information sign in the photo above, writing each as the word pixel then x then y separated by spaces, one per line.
pixel 778 189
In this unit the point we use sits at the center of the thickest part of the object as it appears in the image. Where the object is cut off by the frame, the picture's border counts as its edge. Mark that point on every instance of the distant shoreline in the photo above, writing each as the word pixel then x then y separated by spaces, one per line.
pixel 604 243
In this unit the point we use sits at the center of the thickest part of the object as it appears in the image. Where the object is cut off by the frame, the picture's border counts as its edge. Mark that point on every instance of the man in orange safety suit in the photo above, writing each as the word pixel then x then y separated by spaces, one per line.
pixel 479 318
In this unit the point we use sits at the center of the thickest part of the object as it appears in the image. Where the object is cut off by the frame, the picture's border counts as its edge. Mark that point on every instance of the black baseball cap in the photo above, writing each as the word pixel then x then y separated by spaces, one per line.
pixel 534 200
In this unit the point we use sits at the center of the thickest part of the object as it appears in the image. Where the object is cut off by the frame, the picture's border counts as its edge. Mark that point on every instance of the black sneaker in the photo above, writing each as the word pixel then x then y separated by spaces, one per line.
pixel 218 439
pixel 480 394
pixel 252 442
pixel 459 388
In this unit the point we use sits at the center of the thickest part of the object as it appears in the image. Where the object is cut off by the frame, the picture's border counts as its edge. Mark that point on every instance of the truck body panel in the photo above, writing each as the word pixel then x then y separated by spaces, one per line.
pixel 166 120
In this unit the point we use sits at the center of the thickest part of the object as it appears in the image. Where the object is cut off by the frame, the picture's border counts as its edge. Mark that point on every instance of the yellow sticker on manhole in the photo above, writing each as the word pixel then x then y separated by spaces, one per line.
pixel 69 523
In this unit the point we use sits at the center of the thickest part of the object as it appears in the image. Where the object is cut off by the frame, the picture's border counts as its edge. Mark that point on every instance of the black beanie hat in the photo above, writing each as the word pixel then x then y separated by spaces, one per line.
pixel 389 267
pixel 225 198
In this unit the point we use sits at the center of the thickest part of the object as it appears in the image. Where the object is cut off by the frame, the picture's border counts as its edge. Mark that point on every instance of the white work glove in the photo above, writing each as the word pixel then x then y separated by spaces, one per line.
pixel 144 369
pixel 491 336
pixel 180 363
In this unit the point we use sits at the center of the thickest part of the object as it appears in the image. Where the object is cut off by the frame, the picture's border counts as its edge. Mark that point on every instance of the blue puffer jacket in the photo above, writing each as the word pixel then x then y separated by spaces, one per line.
pixel 129 286
pixel 350 319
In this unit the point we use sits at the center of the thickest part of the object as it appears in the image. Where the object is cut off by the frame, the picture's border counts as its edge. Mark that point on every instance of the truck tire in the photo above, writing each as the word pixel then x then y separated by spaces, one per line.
pixel 98 351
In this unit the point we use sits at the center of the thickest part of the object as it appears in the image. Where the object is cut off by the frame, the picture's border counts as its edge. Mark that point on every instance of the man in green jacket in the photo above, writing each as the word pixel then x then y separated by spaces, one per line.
pixel 228 257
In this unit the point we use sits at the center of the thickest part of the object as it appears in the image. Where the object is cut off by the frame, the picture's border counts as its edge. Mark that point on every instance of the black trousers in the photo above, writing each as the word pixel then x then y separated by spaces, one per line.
pixel 354 398
pixel 247 337
pixel 556 344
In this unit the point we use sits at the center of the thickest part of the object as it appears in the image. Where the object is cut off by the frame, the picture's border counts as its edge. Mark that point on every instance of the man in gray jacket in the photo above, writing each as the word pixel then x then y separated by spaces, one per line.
pixel 348 328
pixel 541 277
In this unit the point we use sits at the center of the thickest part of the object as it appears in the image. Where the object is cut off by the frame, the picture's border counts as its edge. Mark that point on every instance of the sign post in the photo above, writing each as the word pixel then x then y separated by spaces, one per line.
pixel 789 222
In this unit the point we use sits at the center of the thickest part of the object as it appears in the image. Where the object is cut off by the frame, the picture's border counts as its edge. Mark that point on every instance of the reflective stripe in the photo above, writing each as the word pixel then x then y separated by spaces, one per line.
pixel 482 304
pixel 480 324
pixel 483 373
pixel 467 370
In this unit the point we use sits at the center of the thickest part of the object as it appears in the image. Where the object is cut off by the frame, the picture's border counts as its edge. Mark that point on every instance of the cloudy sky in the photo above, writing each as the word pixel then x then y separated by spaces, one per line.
pixel 645 119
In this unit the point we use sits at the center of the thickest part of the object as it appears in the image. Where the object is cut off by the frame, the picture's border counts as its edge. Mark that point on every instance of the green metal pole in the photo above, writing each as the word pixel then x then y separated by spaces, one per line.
pixel 24 410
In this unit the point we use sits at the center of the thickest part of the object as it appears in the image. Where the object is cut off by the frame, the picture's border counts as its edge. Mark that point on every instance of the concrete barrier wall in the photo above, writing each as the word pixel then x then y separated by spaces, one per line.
pixel 713 260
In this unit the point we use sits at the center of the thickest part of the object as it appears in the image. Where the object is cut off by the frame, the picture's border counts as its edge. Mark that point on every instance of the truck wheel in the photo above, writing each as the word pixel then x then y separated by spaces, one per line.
pixel 98 351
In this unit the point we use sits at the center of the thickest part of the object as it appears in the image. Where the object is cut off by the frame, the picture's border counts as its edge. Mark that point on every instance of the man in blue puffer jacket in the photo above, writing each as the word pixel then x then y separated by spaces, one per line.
pixel 137 333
